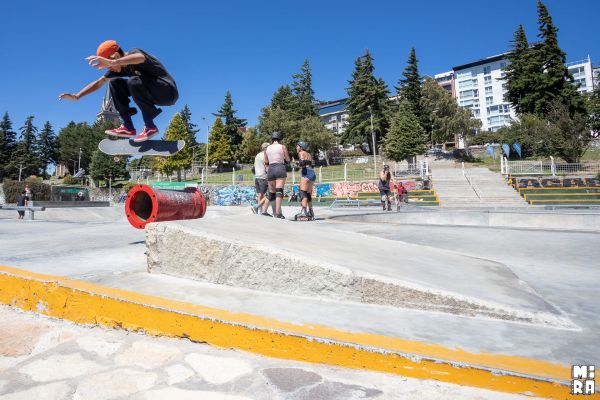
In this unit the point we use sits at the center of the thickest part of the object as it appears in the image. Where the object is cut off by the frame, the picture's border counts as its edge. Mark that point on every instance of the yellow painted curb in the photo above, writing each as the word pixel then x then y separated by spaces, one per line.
pixel 87 303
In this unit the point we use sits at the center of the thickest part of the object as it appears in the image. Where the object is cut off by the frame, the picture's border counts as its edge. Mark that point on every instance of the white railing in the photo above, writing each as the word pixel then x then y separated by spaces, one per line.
pixel 551 167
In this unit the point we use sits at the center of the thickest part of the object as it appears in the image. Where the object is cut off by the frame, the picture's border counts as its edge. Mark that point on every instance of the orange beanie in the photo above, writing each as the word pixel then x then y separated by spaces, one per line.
pixel 107 48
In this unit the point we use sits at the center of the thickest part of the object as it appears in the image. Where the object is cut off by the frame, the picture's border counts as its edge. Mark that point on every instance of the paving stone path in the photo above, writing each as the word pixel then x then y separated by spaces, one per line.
pixel 43 358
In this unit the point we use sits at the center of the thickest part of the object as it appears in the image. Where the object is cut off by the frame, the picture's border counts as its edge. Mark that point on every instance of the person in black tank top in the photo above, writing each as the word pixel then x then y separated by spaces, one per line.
pixel 385 177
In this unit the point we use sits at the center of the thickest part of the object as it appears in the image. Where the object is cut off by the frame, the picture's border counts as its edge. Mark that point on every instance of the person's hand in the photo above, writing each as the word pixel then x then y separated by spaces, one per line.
pixel 68 96
pixel 99 62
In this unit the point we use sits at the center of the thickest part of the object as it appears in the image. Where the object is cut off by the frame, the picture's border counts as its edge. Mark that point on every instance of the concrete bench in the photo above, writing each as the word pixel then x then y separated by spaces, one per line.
pixel 29 210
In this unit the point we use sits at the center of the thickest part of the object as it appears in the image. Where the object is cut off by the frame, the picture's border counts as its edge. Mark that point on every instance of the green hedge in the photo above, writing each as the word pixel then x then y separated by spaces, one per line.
pixel 39 191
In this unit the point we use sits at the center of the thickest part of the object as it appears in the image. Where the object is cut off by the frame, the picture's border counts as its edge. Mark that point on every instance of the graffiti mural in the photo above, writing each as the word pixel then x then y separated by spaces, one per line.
pixel 232 195
pixel 531 183
pixel 351 189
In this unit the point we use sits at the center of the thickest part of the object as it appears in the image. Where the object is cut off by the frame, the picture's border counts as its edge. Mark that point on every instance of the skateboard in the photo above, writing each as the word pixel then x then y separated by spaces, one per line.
pixel 127 147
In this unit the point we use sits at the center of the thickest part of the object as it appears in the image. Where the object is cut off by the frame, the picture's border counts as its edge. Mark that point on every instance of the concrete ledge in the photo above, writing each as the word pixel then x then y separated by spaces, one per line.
pixel 580 221
pixel 86 303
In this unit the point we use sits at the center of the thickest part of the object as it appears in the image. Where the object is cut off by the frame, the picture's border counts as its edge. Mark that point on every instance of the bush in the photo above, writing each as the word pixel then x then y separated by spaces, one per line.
pixel 127 186
pixel 69 180
pixel 39 191
pixel 34 178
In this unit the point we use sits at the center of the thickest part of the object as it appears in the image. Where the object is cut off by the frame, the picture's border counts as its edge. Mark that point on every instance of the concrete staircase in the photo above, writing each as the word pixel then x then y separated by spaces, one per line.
pixel 477 187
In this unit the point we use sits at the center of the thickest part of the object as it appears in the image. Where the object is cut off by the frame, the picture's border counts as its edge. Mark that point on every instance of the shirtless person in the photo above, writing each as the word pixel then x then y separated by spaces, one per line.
pixel 148 83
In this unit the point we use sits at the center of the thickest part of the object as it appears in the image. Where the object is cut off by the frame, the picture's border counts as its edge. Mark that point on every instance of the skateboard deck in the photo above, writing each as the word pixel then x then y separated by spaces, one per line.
pixel 121 147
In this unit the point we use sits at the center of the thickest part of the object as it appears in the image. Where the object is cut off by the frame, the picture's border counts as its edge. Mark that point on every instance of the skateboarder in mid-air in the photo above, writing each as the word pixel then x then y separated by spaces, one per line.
pixel 148 83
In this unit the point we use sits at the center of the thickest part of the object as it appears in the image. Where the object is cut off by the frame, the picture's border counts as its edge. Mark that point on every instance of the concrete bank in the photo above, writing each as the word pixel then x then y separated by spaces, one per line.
pixel 561 220
pixel 87 303
pixel 344 266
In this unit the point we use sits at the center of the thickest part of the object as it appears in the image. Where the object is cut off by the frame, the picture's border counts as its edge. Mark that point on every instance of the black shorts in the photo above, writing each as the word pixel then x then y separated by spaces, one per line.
pixel 384 192
pixel 261 186
pixel 276 171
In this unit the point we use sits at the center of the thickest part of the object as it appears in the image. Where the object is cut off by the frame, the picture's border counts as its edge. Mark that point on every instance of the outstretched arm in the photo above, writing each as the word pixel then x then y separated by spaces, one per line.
pixel 101 62
pixel 90 88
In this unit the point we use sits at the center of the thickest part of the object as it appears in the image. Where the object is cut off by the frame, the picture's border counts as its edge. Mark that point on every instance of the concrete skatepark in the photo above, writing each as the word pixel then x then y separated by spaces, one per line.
pixel 457 288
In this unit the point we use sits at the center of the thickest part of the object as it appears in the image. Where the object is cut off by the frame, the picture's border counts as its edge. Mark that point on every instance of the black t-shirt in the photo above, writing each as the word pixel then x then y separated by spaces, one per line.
pixel 150 68
pixel 21 200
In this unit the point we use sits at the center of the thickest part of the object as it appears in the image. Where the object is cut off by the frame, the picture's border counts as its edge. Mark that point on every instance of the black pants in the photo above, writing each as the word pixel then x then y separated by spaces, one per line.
pixel 147 94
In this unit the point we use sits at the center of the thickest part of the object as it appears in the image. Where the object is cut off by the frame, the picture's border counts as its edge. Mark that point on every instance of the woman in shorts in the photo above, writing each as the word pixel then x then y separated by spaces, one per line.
pixel 307 181
pixel 276 156
pixel 385 178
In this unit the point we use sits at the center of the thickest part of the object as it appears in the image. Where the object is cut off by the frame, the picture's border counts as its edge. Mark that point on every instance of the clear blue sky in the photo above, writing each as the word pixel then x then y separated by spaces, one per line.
pixel 252 47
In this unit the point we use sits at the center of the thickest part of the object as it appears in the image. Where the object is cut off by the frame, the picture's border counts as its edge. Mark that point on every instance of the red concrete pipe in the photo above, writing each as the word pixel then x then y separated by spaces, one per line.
pixel 145 204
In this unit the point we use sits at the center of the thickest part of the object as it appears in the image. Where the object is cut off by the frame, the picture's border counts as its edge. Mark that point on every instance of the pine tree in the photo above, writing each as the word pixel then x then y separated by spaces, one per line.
pixel 177 130
pixel 406 138
pixel 523 70
pixel 220 148
pixel 303 92
pixel 251 145
pixel 409 87
pixel 47 147
pixel 105 167
pixel 367 96
pixel 8 142
pixel 594 112
pixel 283 98
pixel 25 156
pixel 232 123
pixel 556 82
pixel 186 116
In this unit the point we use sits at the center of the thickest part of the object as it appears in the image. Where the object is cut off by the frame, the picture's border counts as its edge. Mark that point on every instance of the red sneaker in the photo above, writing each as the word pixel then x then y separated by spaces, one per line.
pixel 121 132
pixel 146 134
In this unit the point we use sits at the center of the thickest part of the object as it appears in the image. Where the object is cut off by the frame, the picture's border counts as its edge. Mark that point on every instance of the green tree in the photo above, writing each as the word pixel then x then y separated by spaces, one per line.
pixel 47 147
pixel 80 139
pixel 522 72
pixel 447 121
pixel 192 130
pixel 406 138
pixel 25 155
pixel 232 123
pixel 251 145
pixel 283 98
pixel 220 149
pixel 8 142
pixel 367 96
pixel 104 167
pixel 571 136
pixel 557 82
pixel 319 138
pixel 409 87
pixel 594 112
pixel 177 130
pixel 305 104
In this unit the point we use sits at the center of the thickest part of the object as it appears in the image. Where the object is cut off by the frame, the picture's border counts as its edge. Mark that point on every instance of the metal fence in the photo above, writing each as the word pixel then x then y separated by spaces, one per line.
pixel 550 167
pixel 343 173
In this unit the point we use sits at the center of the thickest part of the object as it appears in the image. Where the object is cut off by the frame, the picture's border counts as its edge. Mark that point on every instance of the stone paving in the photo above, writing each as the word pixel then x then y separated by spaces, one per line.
pixel 44 358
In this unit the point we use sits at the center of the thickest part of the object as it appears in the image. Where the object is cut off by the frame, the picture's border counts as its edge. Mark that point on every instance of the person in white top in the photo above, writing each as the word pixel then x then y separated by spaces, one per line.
pixel 260 182
pixel 276 156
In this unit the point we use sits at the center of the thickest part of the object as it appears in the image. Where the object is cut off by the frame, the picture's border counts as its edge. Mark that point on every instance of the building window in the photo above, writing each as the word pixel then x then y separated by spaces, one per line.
pixel 487 80
pixel 488 90
pixel 464 74
pixel 504 86
pixel 489 100
pixel 487 70
pixel 475 112
pixel 475 93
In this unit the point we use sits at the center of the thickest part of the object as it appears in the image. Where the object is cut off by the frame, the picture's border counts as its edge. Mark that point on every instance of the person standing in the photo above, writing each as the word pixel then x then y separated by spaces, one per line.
pixel 22 200
pixel 307 181
pixel 402 193
pixel 276 156
pixel 385 177
pixel 260 182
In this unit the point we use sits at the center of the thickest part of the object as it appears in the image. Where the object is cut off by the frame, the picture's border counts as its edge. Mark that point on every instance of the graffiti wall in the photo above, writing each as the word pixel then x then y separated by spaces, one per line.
pixel 352 189
pixel 522 183
pixel 232 195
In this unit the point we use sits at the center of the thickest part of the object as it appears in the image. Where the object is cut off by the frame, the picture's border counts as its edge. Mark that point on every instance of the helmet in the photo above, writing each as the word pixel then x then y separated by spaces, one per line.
pixel 107 48
pixel 276 136
pixel 303 145
pixel 385 166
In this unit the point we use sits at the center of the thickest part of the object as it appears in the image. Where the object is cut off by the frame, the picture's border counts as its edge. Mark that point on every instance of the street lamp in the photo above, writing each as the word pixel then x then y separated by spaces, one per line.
pixel 373 138
pixel 79 161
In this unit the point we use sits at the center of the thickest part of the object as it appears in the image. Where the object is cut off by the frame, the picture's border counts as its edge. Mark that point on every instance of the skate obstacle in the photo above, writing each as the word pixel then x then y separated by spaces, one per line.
pixel 145 204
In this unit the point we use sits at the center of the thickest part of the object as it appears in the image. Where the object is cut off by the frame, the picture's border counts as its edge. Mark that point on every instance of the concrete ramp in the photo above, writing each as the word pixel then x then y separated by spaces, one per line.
pixel 303 259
